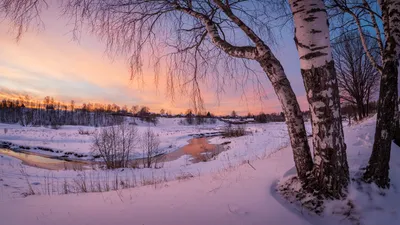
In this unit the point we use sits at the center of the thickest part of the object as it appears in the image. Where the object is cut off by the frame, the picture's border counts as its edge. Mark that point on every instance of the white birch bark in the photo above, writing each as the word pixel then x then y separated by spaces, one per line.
pixel 312 33
pixel 330 174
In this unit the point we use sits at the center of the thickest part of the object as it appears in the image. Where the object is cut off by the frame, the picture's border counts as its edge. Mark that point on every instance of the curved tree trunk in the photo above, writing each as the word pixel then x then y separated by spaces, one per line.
pixel 274 70
pixel 293 116
pixel 330 175
pixel 378 166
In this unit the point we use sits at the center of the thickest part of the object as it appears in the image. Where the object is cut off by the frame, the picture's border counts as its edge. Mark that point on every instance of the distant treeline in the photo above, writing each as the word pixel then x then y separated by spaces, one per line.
pixel 55 114
pixel 197 119
pixel 266 118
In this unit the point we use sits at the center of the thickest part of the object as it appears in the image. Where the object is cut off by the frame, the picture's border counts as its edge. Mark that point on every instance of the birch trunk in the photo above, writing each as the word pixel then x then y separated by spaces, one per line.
pixel 293 115
pixel 330 174
pixel 378 166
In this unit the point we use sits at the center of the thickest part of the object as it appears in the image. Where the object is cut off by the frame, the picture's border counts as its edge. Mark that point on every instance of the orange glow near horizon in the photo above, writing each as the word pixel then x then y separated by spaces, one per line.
pixel 48 63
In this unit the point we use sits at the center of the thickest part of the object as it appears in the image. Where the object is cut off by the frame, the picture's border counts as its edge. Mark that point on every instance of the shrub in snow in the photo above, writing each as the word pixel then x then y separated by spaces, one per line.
pixel 114 144
pixel 234 131
pixel 152 154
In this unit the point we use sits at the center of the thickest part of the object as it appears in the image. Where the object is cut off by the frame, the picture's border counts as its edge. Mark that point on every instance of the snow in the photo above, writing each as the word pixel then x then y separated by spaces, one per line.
pixel 372 205
pixel 238 187
pixel 67 138
pixel 225 198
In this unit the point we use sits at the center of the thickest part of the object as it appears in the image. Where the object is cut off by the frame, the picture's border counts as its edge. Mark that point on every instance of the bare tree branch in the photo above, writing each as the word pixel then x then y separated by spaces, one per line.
pixel 21 14
pixel 358 11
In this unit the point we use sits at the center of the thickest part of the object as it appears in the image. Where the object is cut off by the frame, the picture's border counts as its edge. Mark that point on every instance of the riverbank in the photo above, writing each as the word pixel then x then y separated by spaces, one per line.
pixel 198 148
pixel 46 162
pixel 262 139
pixel 74 142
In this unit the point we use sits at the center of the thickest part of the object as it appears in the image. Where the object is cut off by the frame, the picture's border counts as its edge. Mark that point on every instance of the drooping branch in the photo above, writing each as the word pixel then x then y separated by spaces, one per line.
pixel 248 52
pixel 376 27
pixel 343 7
pixel 22 13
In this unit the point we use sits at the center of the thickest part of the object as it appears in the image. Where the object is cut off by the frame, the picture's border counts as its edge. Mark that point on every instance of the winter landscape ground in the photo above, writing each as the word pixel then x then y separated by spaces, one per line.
pixel 237 187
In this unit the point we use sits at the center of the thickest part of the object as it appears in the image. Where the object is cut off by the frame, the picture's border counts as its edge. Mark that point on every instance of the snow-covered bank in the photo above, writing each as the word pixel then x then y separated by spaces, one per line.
pixel 228 190
pixel 68 141
pixel 263 140
pixel 232 196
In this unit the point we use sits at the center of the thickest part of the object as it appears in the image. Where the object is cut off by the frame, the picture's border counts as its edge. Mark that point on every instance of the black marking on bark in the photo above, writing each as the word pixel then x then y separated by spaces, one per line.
pixel 315 10
pixel 313 55
pixel 298 11
pixel 310 18
pixel 295 3
pixel 311 47
pixel 313 31
pixel 319 48
pixel 299 44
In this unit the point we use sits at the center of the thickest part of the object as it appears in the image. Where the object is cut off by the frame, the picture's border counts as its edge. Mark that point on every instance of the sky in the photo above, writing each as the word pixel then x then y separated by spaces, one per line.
pixel 47 62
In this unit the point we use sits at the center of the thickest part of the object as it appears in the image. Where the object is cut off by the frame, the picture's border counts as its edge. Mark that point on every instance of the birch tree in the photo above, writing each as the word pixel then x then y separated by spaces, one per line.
pixel 330 174
pixel 363 15
pixel 378 166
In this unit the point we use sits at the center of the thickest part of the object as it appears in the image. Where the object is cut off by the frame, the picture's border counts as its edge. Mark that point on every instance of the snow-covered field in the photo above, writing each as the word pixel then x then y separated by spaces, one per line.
pixel 262 140
pixel 67 139
pixel 238 187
